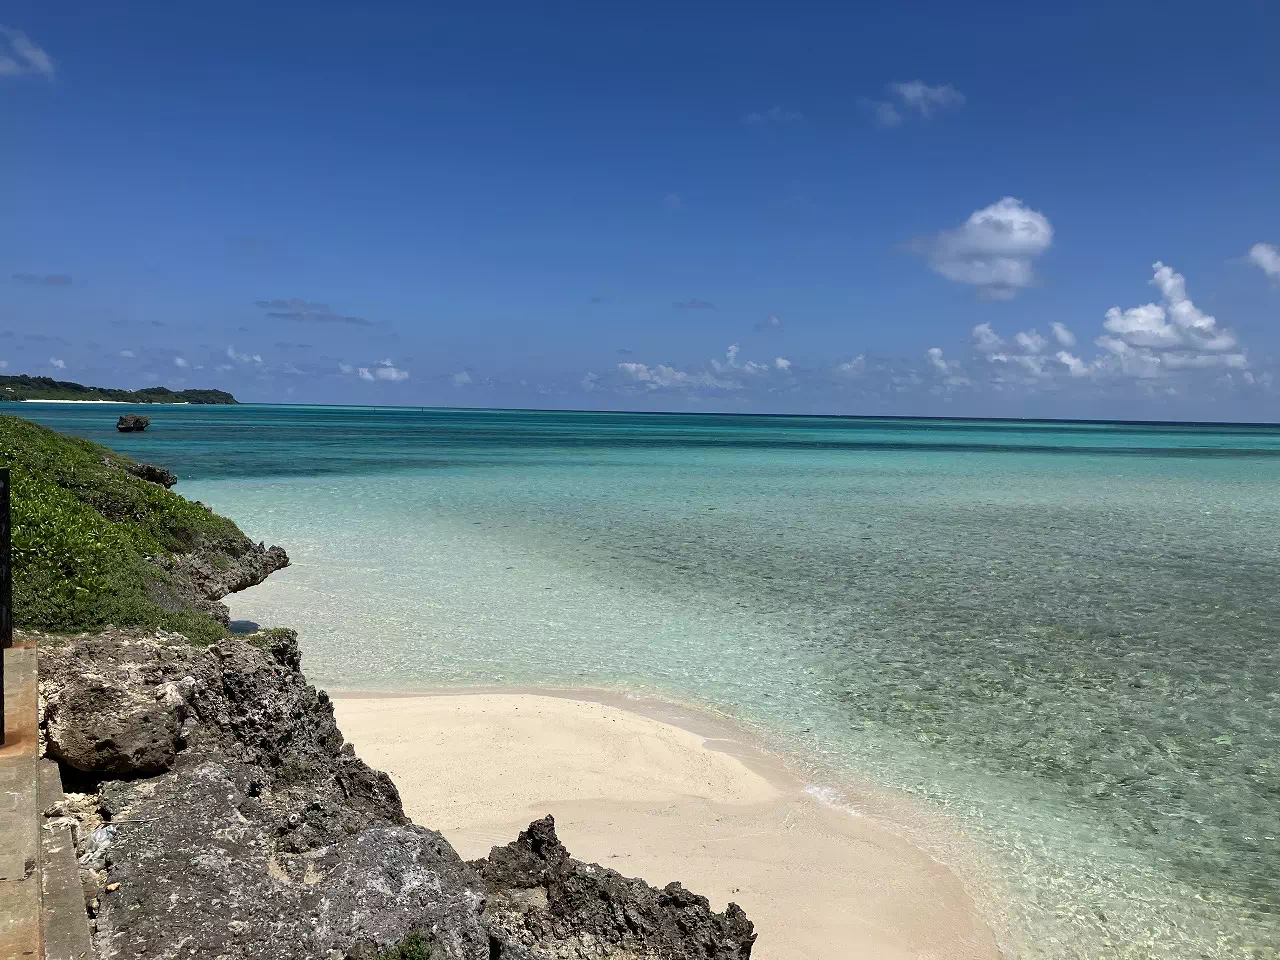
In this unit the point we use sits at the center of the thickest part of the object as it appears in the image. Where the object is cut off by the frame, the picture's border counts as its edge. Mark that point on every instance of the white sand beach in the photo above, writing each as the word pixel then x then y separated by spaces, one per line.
pixel 131 403
pixel 665 801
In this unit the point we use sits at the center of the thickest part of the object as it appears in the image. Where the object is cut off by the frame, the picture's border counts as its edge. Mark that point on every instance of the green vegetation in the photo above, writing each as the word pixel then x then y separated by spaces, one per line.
pixel 85 534
pixel 412 947
pixel 46 388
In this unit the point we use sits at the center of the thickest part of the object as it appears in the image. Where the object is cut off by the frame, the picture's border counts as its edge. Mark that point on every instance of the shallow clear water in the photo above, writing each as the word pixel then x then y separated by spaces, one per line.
pixel 1062 634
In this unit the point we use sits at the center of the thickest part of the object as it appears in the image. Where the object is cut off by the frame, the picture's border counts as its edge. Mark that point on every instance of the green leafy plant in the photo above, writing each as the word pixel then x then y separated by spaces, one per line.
pixel 86 535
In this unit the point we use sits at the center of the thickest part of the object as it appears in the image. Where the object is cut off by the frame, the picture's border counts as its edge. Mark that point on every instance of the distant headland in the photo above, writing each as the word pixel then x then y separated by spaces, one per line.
pixel 46 388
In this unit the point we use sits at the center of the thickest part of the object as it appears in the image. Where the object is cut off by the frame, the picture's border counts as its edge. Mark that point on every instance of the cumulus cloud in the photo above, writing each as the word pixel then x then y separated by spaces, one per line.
pixel 127 354
pixel 590 381
pixel 782 363
pixel 1030 341
pixel 181 362
pixel 1174 322
pixel 1266 256
pixel 693 303
pixel 993 249
pixel 44 280
pixel 986 339
pixel 461 378
pixel 1064 336
pixel 382 370
pixel 57 364
pixel 771 322
pixel 387 370
pixel 18 55
pixel 918 95
pixel 1075 366
pixel 853 366
pixel 307 311
pixel 773 117
pixel 244 358
pixel 936 359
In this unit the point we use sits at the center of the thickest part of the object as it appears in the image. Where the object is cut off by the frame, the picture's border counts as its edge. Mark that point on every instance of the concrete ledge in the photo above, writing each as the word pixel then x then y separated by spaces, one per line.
pixel 19 811
pixel 64 925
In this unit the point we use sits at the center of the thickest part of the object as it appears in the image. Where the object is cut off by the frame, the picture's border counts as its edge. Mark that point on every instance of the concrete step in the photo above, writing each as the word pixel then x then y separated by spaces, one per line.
pixel 19 811
pixel 64 925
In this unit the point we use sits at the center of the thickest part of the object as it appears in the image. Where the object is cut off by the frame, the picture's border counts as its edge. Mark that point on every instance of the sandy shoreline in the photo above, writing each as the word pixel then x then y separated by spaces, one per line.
pixel 665 794
pixel 131 403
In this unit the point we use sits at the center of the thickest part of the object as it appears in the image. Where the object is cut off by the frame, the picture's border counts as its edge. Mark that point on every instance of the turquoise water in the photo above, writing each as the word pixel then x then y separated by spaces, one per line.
pixel 1064 635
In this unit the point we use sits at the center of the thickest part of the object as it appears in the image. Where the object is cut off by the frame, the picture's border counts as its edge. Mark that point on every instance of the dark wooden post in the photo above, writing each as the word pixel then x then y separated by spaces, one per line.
pixel 6 585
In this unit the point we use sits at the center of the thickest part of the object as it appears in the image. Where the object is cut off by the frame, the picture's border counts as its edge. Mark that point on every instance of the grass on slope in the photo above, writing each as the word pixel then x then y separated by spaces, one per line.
pixel 83 531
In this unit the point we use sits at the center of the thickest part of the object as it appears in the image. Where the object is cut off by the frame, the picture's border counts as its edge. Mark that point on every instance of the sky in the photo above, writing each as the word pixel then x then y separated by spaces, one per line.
pixel 983 209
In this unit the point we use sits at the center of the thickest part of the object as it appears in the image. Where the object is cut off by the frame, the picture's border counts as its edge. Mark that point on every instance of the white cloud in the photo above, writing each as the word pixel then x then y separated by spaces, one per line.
pixel 181 362
pixel 919 96
pixel 782 363
pixel 1185 314
pixel 255 358
pixel 986 339
pixel 18 55
pixel 1176 322
pixel 1064 336
pixel 1030 341
pixel 224 367
pixel 387 370
pixel 4 364
pixel 383 370
pixel 751 368
pixel 1267 257
pixel 127 354
pixel 590 382
pixel 461 378
pixel 1075 366
pixel 57 364
pixel 853 366
pixel 1144 326
pixel 994 249
pixel 935 358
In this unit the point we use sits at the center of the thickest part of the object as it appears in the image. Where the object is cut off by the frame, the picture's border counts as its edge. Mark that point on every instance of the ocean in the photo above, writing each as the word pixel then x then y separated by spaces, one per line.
pixel 1061 637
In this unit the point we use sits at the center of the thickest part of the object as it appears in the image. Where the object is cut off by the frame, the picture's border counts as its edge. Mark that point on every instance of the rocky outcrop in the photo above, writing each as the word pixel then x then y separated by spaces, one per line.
pixel 225 817
pixel 133 423
pixel 153 474
pixel 201 579
pixel 545 904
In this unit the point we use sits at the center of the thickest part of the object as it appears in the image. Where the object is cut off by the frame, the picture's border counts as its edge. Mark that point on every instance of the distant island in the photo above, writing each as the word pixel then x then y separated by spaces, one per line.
pixel 46 388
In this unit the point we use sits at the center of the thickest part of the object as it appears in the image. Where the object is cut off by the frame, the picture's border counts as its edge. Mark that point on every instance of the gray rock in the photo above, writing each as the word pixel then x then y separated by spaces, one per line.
pixel 115 728
pixel 133 423
pixel 544 904
pixel 153 474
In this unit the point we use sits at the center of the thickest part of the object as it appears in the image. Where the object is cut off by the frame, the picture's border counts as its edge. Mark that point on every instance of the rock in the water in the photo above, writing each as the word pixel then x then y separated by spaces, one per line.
pixel 132 423
pixel 259 833
pixel 153 474
pixel 544 904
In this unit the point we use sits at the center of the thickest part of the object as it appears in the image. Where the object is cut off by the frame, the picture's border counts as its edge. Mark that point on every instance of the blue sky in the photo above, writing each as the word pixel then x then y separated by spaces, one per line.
pixel 792 208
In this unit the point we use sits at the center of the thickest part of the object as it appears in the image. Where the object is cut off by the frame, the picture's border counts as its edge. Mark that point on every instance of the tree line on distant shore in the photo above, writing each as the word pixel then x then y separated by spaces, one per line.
pixel 46 388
